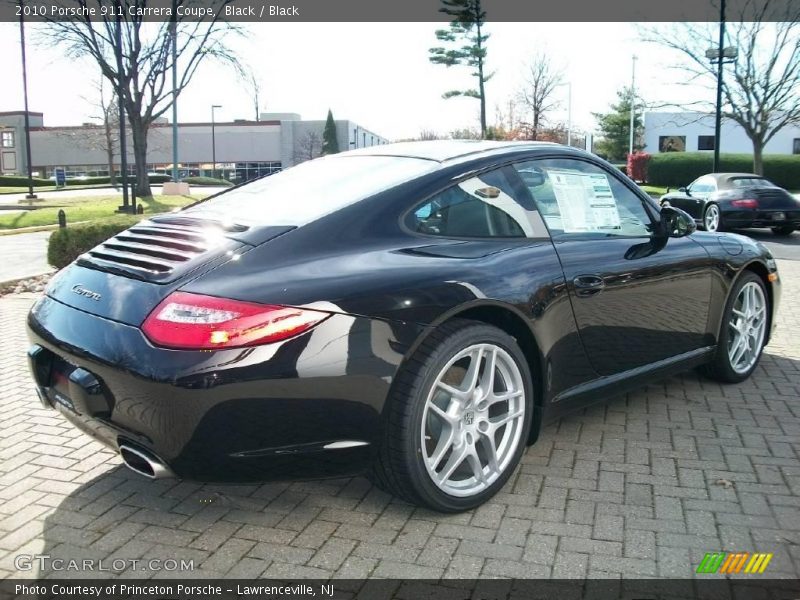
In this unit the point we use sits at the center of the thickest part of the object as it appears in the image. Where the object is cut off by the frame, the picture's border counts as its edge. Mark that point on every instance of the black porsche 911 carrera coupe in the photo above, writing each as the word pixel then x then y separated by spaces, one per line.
pixel 721 201
pixel 416 312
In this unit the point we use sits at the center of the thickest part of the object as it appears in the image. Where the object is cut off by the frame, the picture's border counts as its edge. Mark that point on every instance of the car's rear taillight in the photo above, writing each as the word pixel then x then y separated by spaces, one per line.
pixel 195 322
pixel 745 203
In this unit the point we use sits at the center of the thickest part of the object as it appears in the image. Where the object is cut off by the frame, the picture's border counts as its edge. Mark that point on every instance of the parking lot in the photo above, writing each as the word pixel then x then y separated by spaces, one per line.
pixel 641 486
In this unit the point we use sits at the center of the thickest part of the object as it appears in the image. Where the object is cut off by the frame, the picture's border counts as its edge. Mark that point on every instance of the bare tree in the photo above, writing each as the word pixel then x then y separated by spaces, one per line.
pixel 103 136
pixel 308 148
pixel 761 91
pixel 537 94
pixel 253 85
pixel 146 57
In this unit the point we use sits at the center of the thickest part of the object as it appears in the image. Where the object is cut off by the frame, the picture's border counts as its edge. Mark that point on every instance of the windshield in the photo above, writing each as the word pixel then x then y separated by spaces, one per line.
pixel 311 190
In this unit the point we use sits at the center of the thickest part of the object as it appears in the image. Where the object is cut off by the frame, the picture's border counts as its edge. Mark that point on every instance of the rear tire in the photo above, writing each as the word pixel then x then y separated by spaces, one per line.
pixel 783 230
pixel 743 331
pixel 712 218
pixel 458 418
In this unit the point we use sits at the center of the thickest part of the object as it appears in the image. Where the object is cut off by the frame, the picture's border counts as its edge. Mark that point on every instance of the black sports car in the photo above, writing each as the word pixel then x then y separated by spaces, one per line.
pixel 721 201
pixel 413 311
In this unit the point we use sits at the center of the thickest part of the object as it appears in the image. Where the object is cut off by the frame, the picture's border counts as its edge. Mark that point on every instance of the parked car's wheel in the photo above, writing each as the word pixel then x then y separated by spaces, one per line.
pixel 783 230
pixel 712 218
pixel 459 418
pixel 743 331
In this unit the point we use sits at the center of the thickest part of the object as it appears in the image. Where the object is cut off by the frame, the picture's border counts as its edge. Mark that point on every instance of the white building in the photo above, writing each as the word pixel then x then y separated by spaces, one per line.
pixel 694 131
pixel 242 149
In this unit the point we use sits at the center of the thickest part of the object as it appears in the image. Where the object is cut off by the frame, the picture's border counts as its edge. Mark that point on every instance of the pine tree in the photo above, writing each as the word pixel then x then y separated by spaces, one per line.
pixel 330 143
pixel 466 33
pixel 615 127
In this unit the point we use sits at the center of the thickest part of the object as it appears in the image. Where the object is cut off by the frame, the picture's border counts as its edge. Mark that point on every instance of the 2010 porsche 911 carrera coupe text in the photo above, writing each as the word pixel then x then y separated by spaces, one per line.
pixel 414 311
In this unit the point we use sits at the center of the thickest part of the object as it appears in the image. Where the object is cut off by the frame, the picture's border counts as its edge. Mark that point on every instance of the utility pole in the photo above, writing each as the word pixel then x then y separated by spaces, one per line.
pixel 123 150
pixel 31 195
pixel 633 104
pixel 718 116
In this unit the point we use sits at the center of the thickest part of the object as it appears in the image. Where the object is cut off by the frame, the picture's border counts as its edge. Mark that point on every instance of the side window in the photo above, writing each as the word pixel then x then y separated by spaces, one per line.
pixel 479 207
pixel 703 185
pixel 579 199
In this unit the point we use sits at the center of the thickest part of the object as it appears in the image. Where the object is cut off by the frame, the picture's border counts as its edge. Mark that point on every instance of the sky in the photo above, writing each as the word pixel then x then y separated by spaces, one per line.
pixel 376 74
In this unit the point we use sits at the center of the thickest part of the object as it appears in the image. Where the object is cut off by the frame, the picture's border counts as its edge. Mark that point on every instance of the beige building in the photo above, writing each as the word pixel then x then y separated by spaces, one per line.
pixel 244 149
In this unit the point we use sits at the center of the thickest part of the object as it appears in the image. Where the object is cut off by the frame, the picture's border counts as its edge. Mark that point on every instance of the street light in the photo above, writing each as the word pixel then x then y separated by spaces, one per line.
pixel 719 55
pixel 633 104
pixel 214 141
pixel 31 195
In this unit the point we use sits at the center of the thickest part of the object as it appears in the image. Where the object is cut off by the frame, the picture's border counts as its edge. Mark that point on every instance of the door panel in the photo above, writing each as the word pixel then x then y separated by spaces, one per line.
pixel 652 303
pixel 638 298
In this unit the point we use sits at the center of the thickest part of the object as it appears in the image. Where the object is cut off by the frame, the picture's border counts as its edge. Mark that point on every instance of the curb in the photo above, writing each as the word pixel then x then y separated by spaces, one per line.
pixel 35 228
pixel 16 280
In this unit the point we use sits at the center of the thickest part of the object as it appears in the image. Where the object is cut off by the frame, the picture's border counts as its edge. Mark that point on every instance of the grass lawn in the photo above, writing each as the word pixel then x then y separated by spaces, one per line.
pixel 654 190
pixel 98 209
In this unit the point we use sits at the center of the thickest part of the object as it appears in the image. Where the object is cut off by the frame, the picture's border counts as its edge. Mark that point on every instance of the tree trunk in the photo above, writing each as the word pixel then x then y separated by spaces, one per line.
pixel 481 88
pixel 758 157
pixel 139 134
pixel 112 176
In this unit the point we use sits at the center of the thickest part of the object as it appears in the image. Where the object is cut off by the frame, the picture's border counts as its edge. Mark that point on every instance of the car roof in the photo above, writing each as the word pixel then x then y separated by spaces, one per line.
pixel 727 176
pixel 445 150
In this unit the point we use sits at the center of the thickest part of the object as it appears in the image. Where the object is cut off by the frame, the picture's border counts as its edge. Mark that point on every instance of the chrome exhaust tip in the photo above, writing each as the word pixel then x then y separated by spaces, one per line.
pixel 145 464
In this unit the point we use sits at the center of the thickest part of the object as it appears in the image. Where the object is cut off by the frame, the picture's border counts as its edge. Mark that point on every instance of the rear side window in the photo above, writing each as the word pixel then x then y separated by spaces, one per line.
pixel 744 182
pixel 479 207
pixel 311 190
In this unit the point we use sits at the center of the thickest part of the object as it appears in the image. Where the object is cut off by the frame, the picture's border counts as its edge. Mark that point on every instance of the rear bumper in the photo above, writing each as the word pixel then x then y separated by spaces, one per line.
pixel 307 407
pixel 761 218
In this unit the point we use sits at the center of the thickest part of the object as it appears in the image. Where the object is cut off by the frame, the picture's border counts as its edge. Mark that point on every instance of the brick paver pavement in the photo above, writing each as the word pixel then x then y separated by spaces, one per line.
pixel 641 486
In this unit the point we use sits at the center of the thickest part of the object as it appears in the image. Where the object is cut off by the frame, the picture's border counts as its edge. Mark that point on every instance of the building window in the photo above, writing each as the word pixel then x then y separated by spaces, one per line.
pixel 796 146
pixel 672 143
pixel 7 139
pixel 705 142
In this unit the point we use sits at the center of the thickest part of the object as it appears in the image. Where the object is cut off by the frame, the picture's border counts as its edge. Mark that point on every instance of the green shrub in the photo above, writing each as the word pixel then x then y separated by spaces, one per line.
pixel 206 181
pixel 681 168
pixel 68 243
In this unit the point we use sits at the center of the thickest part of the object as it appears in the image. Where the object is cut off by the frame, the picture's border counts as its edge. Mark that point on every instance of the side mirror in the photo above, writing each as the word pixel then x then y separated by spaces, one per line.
pixel 676 223
pixel 684 190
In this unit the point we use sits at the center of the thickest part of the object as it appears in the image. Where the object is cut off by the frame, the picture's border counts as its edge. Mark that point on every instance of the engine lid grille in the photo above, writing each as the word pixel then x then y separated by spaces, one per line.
pixel 161 249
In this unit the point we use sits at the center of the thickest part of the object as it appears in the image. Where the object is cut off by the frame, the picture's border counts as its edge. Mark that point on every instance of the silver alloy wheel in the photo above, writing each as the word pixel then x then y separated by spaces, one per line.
pixel 747 324
pixel 473 420
pixel 711 219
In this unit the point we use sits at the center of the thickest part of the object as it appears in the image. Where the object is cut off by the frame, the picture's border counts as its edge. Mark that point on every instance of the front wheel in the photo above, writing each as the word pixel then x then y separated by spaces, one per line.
pixel 458 420
pixel 744 329
pixel 783 230
pixel 712 218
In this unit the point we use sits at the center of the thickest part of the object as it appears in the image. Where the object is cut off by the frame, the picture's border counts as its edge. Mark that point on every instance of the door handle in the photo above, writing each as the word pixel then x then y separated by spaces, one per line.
pixel 588 285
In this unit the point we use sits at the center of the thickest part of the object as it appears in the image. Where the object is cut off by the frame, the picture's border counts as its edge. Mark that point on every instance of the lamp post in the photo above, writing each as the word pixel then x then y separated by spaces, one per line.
pixel 718 55
pixel 214 140
pixel 173 27
pixel 31 195
pixel 633 104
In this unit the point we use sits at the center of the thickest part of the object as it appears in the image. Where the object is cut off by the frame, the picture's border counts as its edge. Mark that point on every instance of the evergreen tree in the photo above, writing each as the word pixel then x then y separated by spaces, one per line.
pixel 330 143
pixel 615 127
pixel 466 35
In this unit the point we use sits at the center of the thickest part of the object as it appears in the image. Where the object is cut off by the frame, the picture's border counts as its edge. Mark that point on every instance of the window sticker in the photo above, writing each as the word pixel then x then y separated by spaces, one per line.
pixel 585 201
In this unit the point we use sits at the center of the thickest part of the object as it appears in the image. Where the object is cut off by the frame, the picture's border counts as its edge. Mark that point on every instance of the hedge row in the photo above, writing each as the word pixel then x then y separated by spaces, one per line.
pixel 681 168
pixel 68 243
pixel 206 181
pixel 22 181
